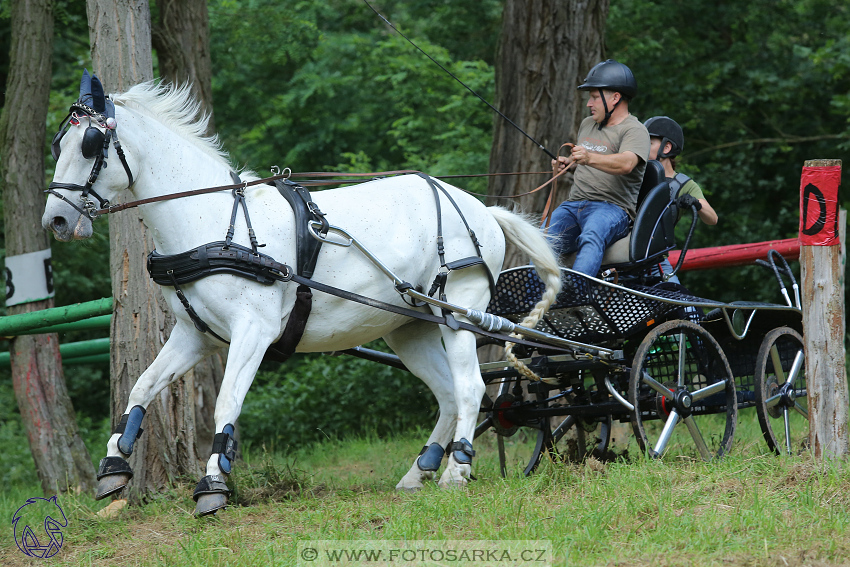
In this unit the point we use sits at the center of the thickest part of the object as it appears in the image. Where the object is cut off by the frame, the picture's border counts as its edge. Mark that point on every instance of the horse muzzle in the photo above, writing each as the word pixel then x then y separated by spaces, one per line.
pixel 67 227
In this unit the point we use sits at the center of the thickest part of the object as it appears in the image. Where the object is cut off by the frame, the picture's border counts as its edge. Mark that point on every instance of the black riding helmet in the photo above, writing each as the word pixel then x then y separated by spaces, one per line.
pixel 669 131
pixel 613 76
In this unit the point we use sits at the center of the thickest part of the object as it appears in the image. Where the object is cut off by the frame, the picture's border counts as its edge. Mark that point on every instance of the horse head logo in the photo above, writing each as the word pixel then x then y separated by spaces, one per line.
pixel 39 517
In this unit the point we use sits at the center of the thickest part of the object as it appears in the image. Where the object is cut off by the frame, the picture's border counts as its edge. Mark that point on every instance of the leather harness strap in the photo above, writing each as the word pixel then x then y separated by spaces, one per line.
pixel 238 260
pixel 226 257
pixel 440 280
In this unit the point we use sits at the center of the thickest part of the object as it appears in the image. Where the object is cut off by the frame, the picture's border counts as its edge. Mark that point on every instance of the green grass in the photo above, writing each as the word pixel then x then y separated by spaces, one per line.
pixel 749 509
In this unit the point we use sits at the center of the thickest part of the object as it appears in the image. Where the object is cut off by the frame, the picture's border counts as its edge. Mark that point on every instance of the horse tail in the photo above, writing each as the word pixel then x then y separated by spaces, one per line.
pixel 530 240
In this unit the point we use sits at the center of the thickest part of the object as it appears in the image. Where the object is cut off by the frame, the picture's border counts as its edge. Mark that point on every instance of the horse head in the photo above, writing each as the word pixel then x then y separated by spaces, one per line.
pixel 82 183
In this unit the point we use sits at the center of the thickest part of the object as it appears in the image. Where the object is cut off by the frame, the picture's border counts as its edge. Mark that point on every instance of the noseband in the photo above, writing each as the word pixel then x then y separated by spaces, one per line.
pixel 95 144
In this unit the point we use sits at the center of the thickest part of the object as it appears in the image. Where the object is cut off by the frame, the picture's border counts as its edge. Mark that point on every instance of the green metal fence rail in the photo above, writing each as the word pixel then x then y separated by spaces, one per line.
pixel 37 321
pixel 80 316
pixel 95 350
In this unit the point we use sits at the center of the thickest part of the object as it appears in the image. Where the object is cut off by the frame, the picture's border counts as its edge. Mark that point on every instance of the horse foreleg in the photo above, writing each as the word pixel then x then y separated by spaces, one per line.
pixel 419 346
pixel 468 390
pixel 247 349
pixel 181 352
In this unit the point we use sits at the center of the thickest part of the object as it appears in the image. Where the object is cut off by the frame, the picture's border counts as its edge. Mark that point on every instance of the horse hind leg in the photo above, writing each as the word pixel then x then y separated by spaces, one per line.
pixel 468 391
pixel 419 346
pixel 183 350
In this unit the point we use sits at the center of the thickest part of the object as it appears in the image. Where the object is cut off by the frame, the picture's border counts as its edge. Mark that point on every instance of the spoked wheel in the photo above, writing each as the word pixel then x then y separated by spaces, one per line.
pixel 591 437
pixel 523 439
pixel 568 437
pixel 781 395
pixel 680 375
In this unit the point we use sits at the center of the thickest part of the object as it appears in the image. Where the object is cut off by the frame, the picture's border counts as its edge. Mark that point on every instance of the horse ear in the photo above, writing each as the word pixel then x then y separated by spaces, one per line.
pixel 85 84
pixel 98 97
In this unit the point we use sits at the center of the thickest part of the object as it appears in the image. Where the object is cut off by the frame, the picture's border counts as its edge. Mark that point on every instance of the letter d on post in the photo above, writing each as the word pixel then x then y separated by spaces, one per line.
pixel 822 236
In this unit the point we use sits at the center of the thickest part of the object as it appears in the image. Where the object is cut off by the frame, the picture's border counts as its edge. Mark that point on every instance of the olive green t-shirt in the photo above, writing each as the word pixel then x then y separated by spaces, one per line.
pixel 691 188
pixel 590 184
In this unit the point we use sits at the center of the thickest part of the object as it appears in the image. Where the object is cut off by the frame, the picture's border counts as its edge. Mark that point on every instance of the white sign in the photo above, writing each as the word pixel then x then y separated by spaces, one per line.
pixel 29 277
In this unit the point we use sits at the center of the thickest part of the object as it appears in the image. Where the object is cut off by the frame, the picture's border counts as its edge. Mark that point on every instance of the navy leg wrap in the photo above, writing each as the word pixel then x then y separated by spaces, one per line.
pixel 130 428
pixel 225 445
pixel 462 451
pixel 430 457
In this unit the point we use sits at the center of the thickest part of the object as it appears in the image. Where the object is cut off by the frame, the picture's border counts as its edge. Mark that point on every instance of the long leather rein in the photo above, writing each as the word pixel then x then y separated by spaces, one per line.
pixel 285 175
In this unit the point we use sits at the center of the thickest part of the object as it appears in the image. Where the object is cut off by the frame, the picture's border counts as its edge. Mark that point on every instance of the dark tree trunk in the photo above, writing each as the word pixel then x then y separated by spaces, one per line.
pixel 60 456
pixel 546 49
pixel 181 37
pixel 120 36
pixel 182 42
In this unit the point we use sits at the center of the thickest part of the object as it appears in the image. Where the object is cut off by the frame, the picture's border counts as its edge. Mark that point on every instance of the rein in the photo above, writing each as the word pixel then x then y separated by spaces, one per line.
pixel 287 174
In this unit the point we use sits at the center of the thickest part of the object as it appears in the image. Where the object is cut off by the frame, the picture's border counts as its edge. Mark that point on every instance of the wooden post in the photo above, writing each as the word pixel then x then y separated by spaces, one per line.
pixel 822 236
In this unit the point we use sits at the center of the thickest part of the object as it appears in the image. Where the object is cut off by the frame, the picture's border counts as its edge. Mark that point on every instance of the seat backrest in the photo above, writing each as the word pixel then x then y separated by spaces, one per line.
pixel 652 177
pixel 653 231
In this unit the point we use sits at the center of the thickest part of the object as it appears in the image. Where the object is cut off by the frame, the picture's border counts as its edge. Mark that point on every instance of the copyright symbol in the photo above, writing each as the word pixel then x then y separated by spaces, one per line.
pixel 309 554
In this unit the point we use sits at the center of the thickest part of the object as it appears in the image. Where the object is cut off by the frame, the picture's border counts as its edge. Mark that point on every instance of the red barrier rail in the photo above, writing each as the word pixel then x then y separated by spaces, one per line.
pixel 735 254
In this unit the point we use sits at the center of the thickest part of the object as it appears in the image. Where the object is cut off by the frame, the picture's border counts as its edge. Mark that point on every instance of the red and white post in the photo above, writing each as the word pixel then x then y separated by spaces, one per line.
pixel 822 261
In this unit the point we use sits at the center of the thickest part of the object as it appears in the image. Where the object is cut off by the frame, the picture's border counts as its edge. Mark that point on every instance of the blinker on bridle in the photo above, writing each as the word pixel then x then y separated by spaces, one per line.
pixel 95 145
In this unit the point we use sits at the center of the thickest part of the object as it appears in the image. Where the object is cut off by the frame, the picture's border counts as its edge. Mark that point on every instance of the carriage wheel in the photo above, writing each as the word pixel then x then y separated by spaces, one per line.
pixel 780 384
pixel 495 420
pixel 591 438
pixel 569 437
pixel 680 375
pixel 529 441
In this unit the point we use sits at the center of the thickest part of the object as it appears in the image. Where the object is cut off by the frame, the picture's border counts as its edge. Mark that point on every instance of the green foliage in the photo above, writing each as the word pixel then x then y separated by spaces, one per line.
pixel 758 87
pixel 315 397
pixel 338 86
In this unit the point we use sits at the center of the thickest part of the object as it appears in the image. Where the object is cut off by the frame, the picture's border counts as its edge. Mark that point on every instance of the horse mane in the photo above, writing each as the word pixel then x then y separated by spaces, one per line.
pixel 176 108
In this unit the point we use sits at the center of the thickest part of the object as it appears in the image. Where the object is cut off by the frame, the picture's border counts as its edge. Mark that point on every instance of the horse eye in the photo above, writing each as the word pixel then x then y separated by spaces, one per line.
pixel 92 142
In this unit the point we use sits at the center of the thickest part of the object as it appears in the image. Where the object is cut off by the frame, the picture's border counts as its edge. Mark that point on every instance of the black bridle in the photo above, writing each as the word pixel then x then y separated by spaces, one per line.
pixel 95 145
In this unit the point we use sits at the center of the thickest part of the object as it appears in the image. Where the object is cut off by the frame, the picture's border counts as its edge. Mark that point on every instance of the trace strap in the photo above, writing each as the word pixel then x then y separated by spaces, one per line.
pixel 238 260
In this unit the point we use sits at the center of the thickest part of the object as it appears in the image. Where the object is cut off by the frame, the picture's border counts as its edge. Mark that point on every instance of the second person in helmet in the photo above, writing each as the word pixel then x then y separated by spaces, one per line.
pixel 609 159
pixel 667 141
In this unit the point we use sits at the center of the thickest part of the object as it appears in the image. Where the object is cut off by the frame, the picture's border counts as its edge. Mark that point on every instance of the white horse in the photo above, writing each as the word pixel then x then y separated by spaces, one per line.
pixel 164 151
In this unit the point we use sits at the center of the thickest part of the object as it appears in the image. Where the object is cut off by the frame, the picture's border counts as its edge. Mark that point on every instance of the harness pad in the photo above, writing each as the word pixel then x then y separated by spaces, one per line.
pixel 305 210
pixel 216 258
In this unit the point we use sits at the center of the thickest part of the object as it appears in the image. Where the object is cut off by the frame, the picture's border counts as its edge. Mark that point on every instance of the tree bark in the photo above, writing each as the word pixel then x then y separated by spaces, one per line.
pixel 61 458
pixel 182 42
pixel 181 38
pixel 120 36
pixel 546 49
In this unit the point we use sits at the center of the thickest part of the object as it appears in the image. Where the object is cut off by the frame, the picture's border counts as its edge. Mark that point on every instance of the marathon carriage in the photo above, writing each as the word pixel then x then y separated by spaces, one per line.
pixel 647 352
pixel 628 350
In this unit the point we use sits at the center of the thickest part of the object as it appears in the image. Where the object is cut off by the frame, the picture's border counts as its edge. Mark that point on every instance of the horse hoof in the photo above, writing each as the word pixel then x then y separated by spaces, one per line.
pixel 111 484
pixel 409 489
pixel 210 504
pixel 453 483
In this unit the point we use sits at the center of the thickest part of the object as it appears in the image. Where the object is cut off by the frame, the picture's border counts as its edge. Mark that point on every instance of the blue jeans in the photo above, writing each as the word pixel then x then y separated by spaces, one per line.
pixel 588 227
